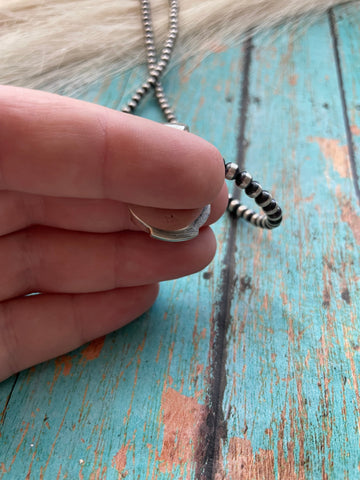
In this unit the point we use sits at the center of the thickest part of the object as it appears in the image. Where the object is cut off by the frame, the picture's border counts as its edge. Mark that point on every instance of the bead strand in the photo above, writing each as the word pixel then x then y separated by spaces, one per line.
pixel 156 68
pixel 272 216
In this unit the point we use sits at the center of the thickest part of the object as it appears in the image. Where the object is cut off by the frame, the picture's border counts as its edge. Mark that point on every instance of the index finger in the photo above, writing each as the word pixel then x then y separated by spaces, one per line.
pixel 57 146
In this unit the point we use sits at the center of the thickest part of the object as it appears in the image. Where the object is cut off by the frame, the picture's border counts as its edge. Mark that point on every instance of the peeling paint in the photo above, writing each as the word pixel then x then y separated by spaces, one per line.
pixel 119 460
pixel 349 216
pixel 355 130
pixel 338 154
pixel 93 350
pixel 293 79
pixel 63 366
pixel 182 417
pixel 243 464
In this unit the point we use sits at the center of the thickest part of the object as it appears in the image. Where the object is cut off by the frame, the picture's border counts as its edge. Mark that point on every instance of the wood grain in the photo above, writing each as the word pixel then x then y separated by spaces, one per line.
pixel 345 24
pixel 250 369
pixel 291 397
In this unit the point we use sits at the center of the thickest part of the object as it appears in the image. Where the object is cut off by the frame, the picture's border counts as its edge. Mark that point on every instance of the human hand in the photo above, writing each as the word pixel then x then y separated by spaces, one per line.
pixel 69 171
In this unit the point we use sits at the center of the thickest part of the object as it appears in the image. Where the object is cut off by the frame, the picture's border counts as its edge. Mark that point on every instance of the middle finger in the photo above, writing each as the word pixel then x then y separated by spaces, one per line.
pixel 52 260
pixel 19 210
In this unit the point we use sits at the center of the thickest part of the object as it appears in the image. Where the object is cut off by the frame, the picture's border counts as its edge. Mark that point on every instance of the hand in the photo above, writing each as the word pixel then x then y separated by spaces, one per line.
pixel 69 171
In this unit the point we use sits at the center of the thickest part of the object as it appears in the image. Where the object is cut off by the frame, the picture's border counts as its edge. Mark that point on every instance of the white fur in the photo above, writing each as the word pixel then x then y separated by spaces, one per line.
pixel 57 43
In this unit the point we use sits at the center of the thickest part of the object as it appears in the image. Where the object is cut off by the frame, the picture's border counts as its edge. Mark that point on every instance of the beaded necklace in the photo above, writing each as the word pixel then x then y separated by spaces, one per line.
pixel 272 216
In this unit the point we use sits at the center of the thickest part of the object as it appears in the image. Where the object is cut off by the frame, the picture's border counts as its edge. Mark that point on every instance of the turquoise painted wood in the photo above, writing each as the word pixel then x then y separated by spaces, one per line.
pixel 346 26
pixel 250 369
pixel 291 408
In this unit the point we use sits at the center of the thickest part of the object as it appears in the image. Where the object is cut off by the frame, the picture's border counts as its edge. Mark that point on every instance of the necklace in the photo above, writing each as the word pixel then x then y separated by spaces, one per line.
pixel 272 216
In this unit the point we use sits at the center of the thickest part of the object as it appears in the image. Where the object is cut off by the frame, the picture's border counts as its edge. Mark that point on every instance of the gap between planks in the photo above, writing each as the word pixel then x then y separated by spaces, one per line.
pixel 349 136
pixel 215 420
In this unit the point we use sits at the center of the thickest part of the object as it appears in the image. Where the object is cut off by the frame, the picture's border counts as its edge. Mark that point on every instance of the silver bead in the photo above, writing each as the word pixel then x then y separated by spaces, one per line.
pixel 247 214
pixel 246 180
pixel 241 211
pixel 254 218
pixel 141 91
pixel 256 193
pixel 160 66
pixel 270 212
pixel 279 214
pixel 233 205
pixel 182 235
pixel 263 223
pixel 267 202
pixel 232 169
pixel 178 126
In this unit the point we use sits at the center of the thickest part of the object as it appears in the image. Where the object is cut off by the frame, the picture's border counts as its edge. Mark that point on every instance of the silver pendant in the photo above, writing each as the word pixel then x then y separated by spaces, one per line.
pixel 181 235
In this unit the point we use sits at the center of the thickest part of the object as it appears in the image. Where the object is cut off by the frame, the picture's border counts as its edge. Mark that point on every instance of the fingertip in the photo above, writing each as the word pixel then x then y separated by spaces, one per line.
pixel 174 169
pixel 151 291
pixel 219 205
pixel 203 168
pixel 208 245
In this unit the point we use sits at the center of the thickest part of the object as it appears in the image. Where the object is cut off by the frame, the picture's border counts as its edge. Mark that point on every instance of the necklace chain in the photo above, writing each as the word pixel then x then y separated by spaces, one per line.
pixel 272 216
pixel 156 67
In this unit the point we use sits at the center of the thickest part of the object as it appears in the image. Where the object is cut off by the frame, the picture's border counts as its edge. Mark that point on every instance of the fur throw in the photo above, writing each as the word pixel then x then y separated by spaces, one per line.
pixel 63 44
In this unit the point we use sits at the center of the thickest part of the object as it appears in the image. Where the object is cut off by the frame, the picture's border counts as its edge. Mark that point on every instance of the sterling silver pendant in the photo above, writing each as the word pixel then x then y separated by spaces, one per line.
pixel 181 235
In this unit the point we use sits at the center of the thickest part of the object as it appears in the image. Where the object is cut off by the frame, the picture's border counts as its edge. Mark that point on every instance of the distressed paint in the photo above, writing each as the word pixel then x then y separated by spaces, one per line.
pixel 184 424
pixel 263 346
pixel 291 400
pixel 336 153
pixel 346 23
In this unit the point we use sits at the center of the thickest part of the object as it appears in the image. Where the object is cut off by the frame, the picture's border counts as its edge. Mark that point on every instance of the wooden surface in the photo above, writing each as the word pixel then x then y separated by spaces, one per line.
pixel 250 369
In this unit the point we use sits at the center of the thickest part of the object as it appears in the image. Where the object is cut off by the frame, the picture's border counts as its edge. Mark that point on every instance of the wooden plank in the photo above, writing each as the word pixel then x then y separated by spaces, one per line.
pixel 291 401
pixel 345 22
pixel 134 404
pixel 140 403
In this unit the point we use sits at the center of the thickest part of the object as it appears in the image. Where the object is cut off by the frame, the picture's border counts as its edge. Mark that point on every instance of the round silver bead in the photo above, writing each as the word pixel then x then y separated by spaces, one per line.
pixel 246 180
pixel 241 211
pixel 178 126
pixel 233 205
pixel 270 212
pixel 279 214
pixel 232 169
pixel 247 214
pixel 267 202
pixel 256 193
pixel 140 91
pixel 254 218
